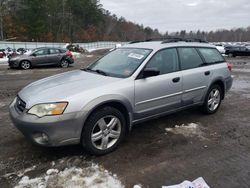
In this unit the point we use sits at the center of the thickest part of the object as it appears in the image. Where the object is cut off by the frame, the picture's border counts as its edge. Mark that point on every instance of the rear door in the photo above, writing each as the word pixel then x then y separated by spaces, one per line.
pixel 155 95
pixel 54 56
pixel 196 76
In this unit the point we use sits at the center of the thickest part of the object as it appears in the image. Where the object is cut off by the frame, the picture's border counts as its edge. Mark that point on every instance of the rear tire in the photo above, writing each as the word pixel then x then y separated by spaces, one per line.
pixel 213 99
pixel 64 63
pixel 103 131
pixel 25 65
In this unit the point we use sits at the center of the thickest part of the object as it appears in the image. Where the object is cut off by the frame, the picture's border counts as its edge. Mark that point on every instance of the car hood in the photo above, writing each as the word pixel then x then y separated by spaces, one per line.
pixel 60 87
pixel 18 56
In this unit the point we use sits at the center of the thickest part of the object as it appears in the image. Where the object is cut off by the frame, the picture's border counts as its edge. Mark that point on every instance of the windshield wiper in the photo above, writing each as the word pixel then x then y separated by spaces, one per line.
pixel 100 72
pixel 97 71
pixel 86 69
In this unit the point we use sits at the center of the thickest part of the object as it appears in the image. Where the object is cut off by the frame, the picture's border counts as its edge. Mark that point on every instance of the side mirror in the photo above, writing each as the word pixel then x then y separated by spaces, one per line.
pixel 150 72
pixel 33 55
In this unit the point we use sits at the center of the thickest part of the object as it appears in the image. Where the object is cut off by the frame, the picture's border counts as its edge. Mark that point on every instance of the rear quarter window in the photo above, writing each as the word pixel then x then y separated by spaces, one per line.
pixel 211 55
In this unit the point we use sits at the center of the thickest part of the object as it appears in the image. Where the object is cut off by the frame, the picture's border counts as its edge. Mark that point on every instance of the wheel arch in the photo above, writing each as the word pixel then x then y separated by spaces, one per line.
pixel 64 57
pixel 19 64
pixel 122 105
pixel 219 82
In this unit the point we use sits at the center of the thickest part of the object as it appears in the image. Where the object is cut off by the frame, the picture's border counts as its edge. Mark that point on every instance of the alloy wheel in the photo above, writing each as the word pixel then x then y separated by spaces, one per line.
pixel 214 99
pixel 64 63
pixel 25 65
pixel 106 132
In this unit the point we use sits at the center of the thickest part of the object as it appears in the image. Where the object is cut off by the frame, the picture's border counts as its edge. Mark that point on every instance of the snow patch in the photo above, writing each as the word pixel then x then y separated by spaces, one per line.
pixel 241 70
pixel 16 72
pixel 137 186
pixel 198 183
pixel 189 130
pixel 89 56
pixel 20 174
pixel 2 104
pixel 76 54
pixel 91 177
pixel 4 60
pixel 95 49
pixel 52 171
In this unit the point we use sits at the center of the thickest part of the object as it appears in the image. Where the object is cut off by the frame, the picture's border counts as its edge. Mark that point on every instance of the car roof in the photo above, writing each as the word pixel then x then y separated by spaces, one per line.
pixel 40 48
pixel 157 45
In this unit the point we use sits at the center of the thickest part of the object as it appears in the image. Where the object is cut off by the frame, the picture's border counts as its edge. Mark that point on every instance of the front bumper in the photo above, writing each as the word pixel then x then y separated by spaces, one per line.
pixel 13 63
pixel 60 130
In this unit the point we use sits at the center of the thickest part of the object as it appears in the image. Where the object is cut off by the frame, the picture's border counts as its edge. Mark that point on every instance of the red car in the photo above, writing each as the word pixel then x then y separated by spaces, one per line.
pixel 2 54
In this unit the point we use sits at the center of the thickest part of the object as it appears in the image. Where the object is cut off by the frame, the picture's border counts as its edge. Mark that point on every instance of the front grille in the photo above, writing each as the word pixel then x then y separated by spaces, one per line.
pixel 20 104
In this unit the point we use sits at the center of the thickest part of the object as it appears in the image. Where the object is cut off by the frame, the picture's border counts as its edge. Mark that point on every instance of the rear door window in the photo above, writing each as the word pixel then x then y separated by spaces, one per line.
pixel 54 51
pixel 211 55
pixel 189 58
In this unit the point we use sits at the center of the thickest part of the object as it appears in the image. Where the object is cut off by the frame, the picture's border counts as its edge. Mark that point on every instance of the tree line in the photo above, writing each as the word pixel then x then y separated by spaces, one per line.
pixel 85 21
pixel 67 21
pixel 221 35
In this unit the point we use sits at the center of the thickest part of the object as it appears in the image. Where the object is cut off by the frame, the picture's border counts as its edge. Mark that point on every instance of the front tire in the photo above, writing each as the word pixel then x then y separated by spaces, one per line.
pixel 103 131
pixel 213 99
pixel 25 65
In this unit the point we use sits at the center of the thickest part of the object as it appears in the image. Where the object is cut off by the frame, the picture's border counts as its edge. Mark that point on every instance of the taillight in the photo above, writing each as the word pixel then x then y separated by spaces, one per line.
pixel 68 53
pixel 229 66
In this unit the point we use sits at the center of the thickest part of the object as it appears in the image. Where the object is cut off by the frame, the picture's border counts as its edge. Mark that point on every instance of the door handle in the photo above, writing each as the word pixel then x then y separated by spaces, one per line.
pixel 175 80
pixel 207 73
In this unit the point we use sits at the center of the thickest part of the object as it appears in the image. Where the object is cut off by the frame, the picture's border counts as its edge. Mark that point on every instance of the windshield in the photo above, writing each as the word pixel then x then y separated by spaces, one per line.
pixel 29 52
pixel 121 62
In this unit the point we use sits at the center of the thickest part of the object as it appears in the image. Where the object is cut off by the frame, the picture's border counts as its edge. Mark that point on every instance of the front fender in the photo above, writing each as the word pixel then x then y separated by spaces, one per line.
pixel 95 103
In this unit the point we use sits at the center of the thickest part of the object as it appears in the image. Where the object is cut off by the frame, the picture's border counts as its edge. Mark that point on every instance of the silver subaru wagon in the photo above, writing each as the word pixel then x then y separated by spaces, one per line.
pixel 98 105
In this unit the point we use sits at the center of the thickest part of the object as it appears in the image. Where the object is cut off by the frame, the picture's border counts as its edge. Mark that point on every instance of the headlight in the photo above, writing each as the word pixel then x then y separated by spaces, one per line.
pixel 51 109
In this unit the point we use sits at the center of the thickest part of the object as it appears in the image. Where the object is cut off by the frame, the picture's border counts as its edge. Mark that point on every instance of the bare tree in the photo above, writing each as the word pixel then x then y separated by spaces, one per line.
pixel 2 13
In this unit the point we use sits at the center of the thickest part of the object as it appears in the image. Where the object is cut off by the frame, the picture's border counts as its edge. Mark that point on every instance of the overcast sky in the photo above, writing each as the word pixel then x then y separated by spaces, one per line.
pixel 175 15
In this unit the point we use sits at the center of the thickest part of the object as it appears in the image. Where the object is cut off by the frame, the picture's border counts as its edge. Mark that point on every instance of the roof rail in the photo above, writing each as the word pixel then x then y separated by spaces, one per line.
pixel 172 39
pixel 169 40
pixel 136 41
pixel 146 40
pixel 196 40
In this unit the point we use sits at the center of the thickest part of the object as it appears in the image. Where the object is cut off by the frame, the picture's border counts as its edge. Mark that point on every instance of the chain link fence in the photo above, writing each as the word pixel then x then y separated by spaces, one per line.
pixel 32 45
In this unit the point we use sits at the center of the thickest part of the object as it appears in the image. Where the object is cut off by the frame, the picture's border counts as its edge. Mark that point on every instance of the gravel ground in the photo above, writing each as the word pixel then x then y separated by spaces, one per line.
pixel 164 151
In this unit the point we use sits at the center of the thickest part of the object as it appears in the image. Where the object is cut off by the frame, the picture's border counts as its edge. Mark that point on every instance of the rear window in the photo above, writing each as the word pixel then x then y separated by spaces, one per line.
pixel 211 55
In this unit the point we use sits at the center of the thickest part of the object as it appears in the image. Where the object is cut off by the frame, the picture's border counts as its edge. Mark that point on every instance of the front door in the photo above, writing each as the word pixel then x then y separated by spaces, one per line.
pixel 40 57
pixel 158 94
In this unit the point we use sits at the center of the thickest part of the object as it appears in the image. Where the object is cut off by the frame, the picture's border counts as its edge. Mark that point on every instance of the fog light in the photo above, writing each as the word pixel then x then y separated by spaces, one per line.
pixel 41 138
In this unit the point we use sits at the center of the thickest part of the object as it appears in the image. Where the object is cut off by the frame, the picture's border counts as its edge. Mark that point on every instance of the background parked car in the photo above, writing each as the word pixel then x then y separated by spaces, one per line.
pixel 21 50
pixel 42 57
pixel 2 54
pixel 10 52
pixel 233 51
pixel 220 48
